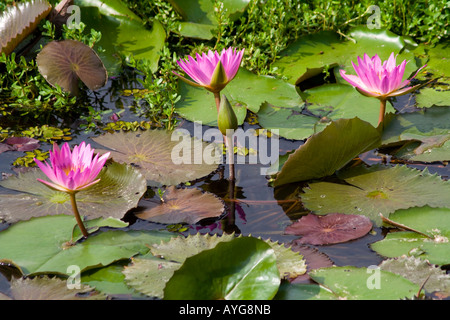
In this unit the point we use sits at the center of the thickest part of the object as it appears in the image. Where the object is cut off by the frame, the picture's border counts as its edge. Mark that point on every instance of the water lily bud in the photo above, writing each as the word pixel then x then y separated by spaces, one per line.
pixel 226 118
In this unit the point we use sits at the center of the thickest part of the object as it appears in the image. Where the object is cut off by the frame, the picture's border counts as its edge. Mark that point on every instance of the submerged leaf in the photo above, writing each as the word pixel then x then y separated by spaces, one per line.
pixel 20 20
pixel 65 62
pixel 181 205
pixel 329 229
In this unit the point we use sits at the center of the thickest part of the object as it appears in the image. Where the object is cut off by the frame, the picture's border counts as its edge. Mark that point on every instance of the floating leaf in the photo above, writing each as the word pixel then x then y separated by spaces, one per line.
pixel 20 20
pixel 329 150
pixel 434 222
pixel 110 280
pixel 290 123
pixel 149 274
pixel 335 101
pixel 181 205
pixel 19 144
pixel 46 288
pixel 420 272
pixel 377 189
pixel 160 155
pixel 119 190
pixel 314 260
pixel 301 291
pixel 242 269
pixel 422 135
pixel 353 283
pixel 329 229
pixel 43 245
pixel 246 91
pixel 65 62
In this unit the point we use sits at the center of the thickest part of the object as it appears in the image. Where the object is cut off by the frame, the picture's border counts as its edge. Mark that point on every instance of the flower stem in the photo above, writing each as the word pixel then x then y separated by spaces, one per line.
pixel 217 99
pixel 227 141
pixel 77 214
pixel 382 110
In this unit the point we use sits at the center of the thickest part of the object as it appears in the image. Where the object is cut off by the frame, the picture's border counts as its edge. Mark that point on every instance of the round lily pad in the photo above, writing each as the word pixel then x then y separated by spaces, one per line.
pixel 162 157
pixel 119 190
pixel 181 206
pixel 329 229
pixel 378 189
pixel 66 62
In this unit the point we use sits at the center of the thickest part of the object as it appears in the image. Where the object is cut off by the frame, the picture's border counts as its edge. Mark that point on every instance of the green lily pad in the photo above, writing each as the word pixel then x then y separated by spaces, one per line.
pixel 434 222
pixel 336 101
pixel 289 123
pixel 377 189
pixel 160 156
pixel 119 190
pixel 354 283
pixel 122 32
pixel 20 20
pixel 43 245
pixel 245 91
pixel 109 280
pixel 46 288
pixel 423 135
pixel 302 291
pixel 66 62
pixel 328 151
pixel 312 54
pixel 420 272
pixel 148 274
pixel 242 269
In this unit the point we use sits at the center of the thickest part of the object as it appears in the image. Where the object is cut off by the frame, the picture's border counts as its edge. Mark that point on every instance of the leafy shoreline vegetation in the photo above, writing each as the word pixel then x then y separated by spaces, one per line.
pixel 161 264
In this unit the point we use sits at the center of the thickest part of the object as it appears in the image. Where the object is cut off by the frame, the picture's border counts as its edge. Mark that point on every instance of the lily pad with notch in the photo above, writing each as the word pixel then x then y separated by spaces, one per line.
pixel 181 206
pixel 161 157
pixel 119 190
pixel 329 229
pixel 377 189
pixel 65 62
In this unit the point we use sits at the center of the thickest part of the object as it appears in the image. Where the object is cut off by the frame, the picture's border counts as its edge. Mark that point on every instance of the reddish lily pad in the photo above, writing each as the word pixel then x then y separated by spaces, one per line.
pixel 65 62
pixel 19 144
pixel 182 205
pixel 329 229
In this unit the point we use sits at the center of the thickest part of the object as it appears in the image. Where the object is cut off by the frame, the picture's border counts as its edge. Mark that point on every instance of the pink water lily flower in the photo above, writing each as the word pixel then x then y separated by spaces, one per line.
pixel 72 171
pixel 213 71
pixel 380 80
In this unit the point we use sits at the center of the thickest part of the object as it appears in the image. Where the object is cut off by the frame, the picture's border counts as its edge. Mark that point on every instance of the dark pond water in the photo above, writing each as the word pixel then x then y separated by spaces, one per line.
pixel 260 210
